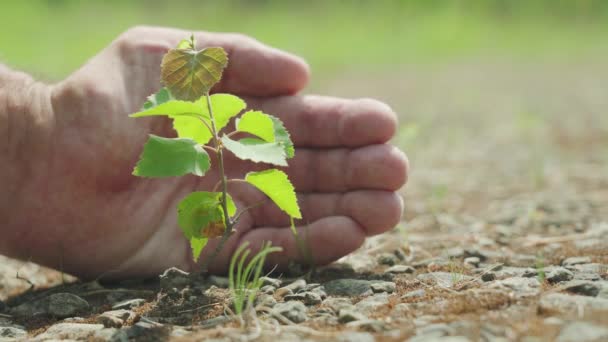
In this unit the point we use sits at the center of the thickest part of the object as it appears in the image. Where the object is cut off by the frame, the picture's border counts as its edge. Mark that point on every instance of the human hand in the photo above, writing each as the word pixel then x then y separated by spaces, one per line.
pixel 83 211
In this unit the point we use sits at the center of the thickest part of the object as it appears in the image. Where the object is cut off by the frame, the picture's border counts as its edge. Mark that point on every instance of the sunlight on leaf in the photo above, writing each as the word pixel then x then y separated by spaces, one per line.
pixel 258 124
pixel 256 150
pixel 275 184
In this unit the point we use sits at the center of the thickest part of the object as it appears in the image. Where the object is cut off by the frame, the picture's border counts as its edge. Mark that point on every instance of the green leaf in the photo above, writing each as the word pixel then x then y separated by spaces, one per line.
pixel 169 157
pixel 190 74
pixel 256 150
pixel 173 108
pixel 160 97
pixel 258 124
pixel 282 137
pixel 275 184
pixel 200 217
pixel 225 106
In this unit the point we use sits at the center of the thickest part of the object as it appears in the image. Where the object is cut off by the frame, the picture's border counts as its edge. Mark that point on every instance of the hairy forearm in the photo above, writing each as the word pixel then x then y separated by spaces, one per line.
pixel 25 126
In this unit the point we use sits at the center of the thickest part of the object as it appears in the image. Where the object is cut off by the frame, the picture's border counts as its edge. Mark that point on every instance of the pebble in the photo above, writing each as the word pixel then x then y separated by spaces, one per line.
pixel 64 305
pixel 472 261
pixel 582 287
pixel 336 304
pixel 297 286
pixel 488 276
pixel 174 278
pixel 388 259
pixel 371 325
pixel 308 298
pixel 70 331
pixel 267 281
pixel 520 286
pixel 576 261
pixel 129 304
pixel 265 300
pixel 294 311
pixel 582 331
pixel 114 318
pixel 444 279
pixel 399 269
pixel 10 333
pixel 348 287
pixel 383 286
pixel 268 289
pixel 414 294
pixel 346 315
pixel 557 274
pixel 353 336
pixel 572 304
pixel 372 303
pixel 282 292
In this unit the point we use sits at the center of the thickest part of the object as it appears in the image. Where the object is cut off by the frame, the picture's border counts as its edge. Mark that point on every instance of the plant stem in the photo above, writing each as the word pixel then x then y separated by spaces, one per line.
pixel 224 202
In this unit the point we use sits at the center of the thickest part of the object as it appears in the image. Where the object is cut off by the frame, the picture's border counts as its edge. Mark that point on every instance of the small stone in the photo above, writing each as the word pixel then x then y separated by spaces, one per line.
pixel 444 279
pixel 556 274
pixel 348 287
pixel 271 281
pixel 114 318
pixel 70 331
pixel 582 331
pixel 312 298
pixel 129 304
pixel 336 304
pixel 488 276
pixel 265 300
pixel 174 278
pixel 399 269
pixel 10 333
pixel 311 286
pixel 353 336
pixel 435 330
pixel 581 287
pixel 372 303
pixel 472 261
pixel 148 331
pixel 221 282
pixel 283 292
pixel 294 311
pixel 521 287
pixel 320 291
pixel 576 261
pixel 384 286
pixel 297 285
pixel 370 325
pixel 64 305
pixel 414 294
pixel 571 304
pixel 268 289
pixel 346 315
pixel 387 259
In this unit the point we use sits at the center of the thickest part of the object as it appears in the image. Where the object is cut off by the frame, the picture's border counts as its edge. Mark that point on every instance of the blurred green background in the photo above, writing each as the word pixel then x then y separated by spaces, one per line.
pixel 51 38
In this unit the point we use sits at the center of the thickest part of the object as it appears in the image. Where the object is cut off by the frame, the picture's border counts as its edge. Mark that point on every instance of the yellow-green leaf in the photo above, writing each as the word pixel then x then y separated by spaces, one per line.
pixel 275 184
pixel 258 124
pixel 190 74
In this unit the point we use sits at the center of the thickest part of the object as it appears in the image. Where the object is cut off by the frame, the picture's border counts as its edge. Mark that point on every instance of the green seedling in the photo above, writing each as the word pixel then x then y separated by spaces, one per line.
pixel 244 277
pixel 200 119
pixel 540 268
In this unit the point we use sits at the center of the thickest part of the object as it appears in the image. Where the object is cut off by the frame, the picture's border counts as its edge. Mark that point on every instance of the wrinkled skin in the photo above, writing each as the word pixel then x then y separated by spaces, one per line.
pixel 78 208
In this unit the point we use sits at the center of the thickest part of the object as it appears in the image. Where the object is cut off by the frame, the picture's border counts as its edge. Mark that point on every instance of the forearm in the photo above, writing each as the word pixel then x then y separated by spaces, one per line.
pixel 25 127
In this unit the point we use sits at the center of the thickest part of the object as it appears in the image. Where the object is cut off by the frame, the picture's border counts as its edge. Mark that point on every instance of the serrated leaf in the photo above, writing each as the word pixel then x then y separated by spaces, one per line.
pixel 201 217
pixel 190 74
pixel 258 124
pixel 175 108
pixel 282 137
pixel 276 185
pixel 169 157
pixel 257 151
pixel 160 97
pixel 225 106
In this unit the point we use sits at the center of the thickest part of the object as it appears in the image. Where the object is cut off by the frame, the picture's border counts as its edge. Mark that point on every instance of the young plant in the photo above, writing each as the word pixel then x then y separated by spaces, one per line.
pixel 244 279
pixel 199 118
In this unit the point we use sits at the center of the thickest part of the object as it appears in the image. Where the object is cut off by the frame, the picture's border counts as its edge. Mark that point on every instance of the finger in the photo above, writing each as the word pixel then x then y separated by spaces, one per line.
pixel 318 121
pixel 253 68
pixel 328 239
pixel 375 211
pixel 374 167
